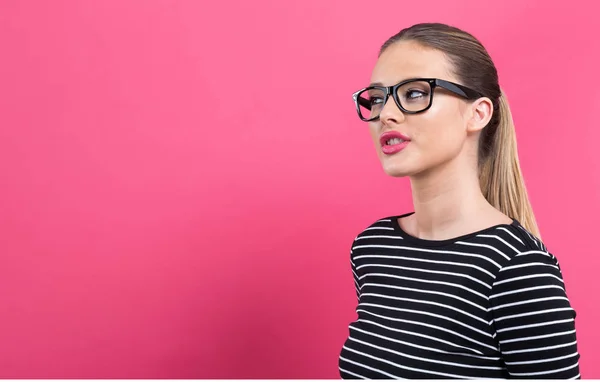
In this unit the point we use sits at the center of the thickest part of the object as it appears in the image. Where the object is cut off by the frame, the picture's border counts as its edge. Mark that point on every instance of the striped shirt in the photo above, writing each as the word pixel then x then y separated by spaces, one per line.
pixel 491 304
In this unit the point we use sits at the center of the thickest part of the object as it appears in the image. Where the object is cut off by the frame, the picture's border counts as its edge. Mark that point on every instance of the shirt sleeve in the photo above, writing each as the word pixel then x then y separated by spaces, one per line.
pixel 533 319
pixel 354 274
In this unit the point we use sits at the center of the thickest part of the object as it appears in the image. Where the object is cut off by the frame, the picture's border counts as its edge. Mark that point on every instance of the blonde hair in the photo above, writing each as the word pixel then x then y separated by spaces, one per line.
pixel 500 176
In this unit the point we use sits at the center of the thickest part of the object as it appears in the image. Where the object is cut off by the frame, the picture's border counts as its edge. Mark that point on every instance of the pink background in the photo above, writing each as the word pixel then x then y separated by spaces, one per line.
pixel 182 180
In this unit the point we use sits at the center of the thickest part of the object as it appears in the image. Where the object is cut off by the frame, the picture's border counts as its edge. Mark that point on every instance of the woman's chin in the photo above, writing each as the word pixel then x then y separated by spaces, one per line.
pixel 396 170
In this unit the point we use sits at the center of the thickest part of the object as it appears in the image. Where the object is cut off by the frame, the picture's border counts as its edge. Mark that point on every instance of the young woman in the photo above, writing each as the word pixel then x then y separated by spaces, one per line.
pixel 462 287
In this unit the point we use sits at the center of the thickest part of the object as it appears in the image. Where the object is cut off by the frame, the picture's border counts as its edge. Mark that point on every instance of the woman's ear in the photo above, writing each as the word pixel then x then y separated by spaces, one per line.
pixel 481 113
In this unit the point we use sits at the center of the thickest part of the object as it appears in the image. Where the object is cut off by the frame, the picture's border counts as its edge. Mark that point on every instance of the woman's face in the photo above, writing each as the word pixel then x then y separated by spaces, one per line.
pixel 435 136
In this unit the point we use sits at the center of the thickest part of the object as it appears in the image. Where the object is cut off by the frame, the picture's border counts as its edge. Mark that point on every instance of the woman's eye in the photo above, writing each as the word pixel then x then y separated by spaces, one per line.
pixel 376 101
pixel 415 94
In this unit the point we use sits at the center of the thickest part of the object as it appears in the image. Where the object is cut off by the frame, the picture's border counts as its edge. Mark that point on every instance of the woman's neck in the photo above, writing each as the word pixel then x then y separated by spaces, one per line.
pixel 448 203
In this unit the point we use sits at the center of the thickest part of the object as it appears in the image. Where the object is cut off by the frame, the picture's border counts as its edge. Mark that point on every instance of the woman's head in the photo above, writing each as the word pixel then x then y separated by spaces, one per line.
pixel 457 114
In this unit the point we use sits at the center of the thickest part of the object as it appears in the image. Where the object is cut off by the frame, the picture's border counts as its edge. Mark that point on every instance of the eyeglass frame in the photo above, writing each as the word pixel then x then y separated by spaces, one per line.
pixel 455 88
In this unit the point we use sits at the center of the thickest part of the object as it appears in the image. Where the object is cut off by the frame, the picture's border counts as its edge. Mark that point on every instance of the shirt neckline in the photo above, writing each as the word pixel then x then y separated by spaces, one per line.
pixel 438 243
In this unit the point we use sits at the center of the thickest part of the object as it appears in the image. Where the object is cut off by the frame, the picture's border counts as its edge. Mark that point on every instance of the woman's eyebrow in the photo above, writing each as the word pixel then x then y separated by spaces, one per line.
pixel 404 79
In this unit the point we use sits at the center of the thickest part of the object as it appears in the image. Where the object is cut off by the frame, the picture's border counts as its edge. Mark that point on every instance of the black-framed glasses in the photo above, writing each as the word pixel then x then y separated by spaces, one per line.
pixel 412 96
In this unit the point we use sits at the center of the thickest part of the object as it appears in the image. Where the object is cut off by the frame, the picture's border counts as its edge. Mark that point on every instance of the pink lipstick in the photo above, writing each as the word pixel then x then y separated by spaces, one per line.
pixel 393 142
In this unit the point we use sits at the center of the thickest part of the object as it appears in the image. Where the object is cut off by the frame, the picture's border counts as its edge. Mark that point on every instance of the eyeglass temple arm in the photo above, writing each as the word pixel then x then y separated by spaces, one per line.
pixel 363 102
pixel 458 89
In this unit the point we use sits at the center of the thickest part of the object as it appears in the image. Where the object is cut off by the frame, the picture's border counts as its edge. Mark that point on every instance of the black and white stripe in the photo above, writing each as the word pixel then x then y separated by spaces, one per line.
pixel 491 304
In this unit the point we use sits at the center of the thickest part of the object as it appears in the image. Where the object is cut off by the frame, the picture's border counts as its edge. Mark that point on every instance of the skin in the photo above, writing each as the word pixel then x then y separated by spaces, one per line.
pixel 441 158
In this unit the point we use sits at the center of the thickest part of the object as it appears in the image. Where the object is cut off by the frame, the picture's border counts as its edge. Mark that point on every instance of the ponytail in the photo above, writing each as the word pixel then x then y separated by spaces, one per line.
pixel 500 175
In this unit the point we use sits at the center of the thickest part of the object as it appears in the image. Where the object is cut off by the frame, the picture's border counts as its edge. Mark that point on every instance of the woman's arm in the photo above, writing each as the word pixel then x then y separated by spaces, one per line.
pixel 533 319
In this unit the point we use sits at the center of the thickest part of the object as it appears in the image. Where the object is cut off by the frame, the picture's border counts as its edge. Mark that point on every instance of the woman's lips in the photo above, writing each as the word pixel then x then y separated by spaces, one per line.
pixel 393 142
pixel 393 149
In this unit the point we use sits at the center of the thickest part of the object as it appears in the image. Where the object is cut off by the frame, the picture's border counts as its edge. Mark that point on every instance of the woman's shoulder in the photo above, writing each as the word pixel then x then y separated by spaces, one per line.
pixel 528 248
pixel 528 240
pixel 380 225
